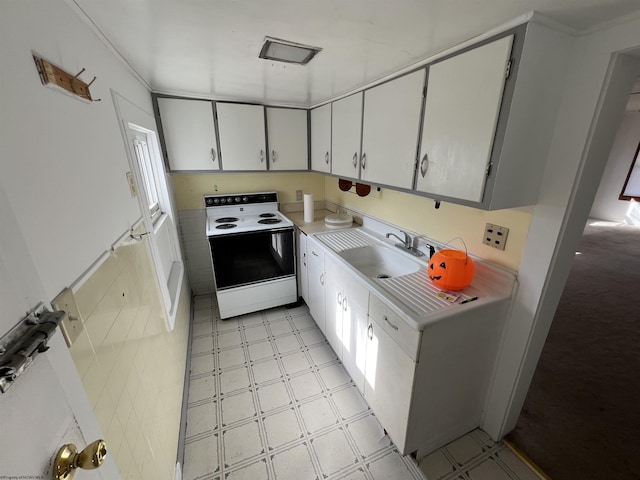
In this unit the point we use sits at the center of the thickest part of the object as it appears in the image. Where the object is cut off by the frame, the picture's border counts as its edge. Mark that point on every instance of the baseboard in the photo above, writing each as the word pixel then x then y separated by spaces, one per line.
pixel 526 460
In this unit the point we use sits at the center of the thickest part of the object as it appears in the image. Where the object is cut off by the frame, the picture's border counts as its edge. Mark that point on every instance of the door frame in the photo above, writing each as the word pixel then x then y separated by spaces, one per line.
pixel 598 82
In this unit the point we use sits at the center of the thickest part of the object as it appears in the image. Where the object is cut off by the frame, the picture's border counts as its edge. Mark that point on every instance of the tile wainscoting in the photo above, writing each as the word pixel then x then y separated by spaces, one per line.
pixel 131 365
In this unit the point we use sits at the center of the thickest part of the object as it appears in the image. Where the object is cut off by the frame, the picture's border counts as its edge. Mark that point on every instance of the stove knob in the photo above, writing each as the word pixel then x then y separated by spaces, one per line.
pixel 237 199
pixel 223 200
pixel 208 201
pixel 230 200
pixel 245 199
pixel 216 201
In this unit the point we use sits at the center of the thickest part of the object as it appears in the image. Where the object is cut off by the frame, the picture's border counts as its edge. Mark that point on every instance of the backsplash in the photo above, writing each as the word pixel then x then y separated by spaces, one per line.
pixel 132 367
pixel 190 188
pixel 418 214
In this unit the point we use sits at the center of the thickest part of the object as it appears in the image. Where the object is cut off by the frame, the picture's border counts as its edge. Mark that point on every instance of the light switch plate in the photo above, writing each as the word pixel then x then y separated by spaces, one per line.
pixel 72 324
pixel 132 185
pixel 298 195
pixel 495 236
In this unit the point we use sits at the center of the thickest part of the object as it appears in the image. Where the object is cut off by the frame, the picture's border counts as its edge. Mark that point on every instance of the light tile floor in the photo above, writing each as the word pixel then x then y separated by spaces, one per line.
pixel 268 399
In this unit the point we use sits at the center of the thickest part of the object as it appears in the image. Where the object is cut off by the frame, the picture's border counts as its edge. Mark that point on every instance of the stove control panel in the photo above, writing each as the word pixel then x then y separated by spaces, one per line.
pixel 240 199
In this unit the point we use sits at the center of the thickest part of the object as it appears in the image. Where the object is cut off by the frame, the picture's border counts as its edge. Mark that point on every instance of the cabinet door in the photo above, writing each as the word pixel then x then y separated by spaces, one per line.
pixel 389 374
pixel 346 128
pixel 316 276
pixel 464 94
pixel 287 130
pixel 189 134
pixel 354 333
pixel 321 139
pixel 334 301
pixel 242 142
pixel 303 278
pixel 390 130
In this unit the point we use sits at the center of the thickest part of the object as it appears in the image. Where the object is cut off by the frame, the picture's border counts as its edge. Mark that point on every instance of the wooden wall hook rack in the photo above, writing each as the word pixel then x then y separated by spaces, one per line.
pixel 55 77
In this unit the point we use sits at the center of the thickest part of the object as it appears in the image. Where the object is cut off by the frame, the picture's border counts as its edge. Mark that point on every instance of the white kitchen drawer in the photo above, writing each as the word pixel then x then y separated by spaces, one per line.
pixel 400 332
pixel 314 251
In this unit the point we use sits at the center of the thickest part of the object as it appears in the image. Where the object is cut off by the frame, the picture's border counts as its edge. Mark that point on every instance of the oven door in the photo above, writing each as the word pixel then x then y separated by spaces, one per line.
pixel 252 257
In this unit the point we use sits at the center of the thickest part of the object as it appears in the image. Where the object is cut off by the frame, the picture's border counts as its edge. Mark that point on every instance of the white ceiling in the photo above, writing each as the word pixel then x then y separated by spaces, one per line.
pixel 209 48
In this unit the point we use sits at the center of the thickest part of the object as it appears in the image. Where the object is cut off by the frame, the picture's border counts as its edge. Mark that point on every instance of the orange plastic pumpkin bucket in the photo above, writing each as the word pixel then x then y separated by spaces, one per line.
pixel 451 269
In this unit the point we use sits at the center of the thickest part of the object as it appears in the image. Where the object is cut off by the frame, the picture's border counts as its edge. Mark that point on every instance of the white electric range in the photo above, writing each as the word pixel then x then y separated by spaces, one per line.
pixel 252 251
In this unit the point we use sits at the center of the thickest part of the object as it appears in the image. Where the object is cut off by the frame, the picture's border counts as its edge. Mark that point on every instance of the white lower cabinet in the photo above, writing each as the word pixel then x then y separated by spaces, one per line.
pixel 427 387
pixel 316 280
pixel 346 319
pixel 389 374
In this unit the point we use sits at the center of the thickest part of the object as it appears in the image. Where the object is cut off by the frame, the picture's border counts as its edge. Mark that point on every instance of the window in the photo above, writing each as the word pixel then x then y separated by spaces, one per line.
pixel 148 178
pixel 631 188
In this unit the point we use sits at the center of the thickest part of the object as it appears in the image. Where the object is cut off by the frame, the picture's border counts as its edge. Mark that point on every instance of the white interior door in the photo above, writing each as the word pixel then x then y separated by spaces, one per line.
pixel 47 406
pixel 464 95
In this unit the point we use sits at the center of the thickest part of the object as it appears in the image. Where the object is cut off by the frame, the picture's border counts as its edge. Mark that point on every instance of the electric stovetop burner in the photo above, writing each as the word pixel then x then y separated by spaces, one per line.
pixel 267 215
pixel 227 220
pixel 269 221
pixel 225 226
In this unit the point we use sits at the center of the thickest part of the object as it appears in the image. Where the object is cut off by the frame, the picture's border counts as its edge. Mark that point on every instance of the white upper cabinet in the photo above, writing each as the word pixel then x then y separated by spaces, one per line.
pixel 463 101
pixel 346 130
pixel 189 134
pixel 287 134
pixel 390 129
pixel 242 140
pixel 321 139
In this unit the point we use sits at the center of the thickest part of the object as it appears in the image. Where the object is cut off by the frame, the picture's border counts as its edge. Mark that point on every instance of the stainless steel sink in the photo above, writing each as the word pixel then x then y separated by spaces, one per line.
pixel 379 262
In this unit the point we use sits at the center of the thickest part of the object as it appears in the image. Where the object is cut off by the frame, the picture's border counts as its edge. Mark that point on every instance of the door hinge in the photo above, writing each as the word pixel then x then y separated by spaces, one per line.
pixel 508 70
pixel 488 170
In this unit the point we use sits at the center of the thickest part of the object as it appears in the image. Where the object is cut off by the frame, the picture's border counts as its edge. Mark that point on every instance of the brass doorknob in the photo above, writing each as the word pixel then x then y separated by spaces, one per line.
pixel 68 460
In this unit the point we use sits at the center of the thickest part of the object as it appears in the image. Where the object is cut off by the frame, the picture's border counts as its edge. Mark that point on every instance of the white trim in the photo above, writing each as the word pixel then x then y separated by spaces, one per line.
pixel 107 43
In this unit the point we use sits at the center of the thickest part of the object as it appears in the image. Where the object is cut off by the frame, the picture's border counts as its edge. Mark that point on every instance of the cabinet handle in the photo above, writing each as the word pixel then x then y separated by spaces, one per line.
pixel 344 304
pixel 355 160
pixel 370 331
pixel 273 156
pixel 339 298
pixel 386 320
pixel 326 158
pixel 214 155
pixel 364 161
pixel 261 156
pixel 313 252
pixel 322 279
pixel 424 165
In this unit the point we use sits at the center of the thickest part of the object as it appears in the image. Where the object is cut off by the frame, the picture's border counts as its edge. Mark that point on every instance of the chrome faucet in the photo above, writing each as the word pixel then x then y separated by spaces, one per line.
pixel 406 244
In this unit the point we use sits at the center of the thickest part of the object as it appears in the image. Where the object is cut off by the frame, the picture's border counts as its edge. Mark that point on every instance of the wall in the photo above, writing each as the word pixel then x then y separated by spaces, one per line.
pixel 418 214
pixel 132 367
pixel 63 162
pixel 590 112
pixel 62 167
pixel 190 188
pixel 606 205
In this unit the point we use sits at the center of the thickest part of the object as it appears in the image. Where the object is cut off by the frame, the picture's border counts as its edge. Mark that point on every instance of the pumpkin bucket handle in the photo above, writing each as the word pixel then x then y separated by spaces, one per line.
pixel 466 252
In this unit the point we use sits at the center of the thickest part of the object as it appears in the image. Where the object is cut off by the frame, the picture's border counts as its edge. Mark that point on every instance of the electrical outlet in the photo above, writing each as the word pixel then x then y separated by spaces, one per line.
pixel 132 184
pixel 298 195
pixel 495 236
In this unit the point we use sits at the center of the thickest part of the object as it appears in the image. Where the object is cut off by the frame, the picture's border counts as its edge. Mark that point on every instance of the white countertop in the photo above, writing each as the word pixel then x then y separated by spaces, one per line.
pixel 413 296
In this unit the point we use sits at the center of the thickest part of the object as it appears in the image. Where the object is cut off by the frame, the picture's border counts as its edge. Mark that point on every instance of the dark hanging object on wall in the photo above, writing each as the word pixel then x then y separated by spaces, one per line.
pixel 362 190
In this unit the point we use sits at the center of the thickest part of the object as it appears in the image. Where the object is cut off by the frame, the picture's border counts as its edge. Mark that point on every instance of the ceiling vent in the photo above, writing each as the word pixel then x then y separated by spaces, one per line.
pixel 285 51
